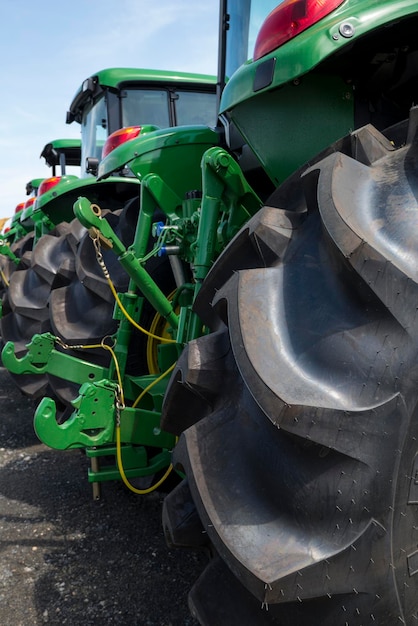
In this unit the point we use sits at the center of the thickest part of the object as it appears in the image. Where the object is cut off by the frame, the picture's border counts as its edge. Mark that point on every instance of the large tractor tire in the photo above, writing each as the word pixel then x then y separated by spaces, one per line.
pixel 26 302
pixel 22 249
pixel 299 410
pixel 81 312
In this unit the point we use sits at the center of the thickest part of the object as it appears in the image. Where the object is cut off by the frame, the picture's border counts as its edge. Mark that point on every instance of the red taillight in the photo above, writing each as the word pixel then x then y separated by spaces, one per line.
pixel 47 184
pixel 118 137
pixel 288 20
pixel 20 207
pixel 29 202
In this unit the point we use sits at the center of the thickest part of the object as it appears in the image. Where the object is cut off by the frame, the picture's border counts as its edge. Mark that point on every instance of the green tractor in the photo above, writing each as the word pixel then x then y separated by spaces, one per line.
pixel 21 231
pixel 284 360
pixel 57 291
pixel 63 156
pixel 15 239
pixel 298 409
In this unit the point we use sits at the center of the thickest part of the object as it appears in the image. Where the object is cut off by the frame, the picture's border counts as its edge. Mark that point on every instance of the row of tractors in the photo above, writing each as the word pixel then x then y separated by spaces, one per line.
pixel 220 306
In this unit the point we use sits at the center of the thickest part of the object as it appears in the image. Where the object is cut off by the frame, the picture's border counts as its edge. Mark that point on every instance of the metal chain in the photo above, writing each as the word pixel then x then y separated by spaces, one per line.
pixel 66 346
pixel 99 256
pixel 81 346
pixel 119 405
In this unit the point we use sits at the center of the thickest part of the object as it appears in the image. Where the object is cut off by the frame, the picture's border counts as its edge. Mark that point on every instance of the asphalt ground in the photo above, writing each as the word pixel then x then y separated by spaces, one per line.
pixel 68 559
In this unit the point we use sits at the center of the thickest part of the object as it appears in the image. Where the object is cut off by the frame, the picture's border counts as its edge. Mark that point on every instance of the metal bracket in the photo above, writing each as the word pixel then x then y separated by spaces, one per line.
pixel 7 251
pixel 92 424
pixel 42 358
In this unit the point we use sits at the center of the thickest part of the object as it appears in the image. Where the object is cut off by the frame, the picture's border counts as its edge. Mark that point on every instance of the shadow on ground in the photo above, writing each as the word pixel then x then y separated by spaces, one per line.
pixel 66 559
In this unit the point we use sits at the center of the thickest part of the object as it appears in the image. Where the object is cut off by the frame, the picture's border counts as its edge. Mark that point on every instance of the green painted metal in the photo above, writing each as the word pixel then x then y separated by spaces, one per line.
pixel 33 185
pixel 119 77
pixel 198 229
pixel 89 217
pixel 198 237
pixel 15 232
pixel 57 204
pixel 70 149
pixel 115 80
pixel 308 115
pixel 33 218
pixel 301 106
pixel 94 420
pixel 204 195
pixel 19 226
pixel 307 50
pixel 89 426
pixel 6 250
pixel 42 357
pixel 135 459
pixel 172 153
pixel 58 152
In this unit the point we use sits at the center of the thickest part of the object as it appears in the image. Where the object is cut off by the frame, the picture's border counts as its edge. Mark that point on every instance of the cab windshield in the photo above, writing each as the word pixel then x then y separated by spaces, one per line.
pixel 140 106
pixel 150 106
pixel 160 107
pixel 193 107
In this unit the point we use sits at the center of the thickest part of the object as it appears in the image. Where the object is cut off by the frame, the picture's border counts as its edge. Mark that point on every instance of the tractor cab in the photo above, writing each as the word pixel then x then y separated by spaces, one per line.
pixel 116 98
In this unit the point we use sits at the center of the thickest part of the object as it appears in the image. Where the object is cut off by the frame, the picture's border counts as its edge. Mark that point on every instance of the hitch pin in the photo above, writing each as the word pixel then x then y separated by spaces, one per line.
pixel 94 461
pixel 95 468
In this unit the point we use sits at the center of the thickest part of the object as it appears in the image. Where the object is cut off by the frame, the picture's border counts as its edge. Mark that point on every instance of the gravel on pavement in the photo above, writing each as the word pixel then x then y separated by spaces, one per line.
pixel 68 559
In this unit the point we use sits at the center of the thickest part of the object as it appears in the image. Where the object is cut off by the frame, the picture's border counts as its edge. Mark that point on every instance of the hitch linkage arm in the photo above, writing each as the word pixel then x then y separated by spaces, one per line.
pixel 93 422
pixel 42 358
pixel 90 216
pixel 7 251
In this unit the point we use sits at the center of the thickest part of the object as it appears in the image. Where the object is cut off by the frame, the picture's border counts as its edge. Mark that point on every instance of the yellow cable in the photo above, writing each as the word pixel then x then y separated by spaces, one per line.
pixel 151 385
pixel 118 439
pixel 123 475
pixel 118 374
pixel 105 347
pixel 99 256
pixel 4 279
pixel 133 322
pixel 152 358
pixel 119 450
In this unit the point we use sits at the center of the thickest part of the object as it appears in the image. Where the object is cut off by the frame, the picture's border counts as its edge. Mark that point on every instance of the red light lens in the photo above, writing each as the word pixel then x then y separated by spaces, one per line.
pixel 47 184
pixel 288 20
pixel 119 137
pixel 20 207
pixel 29 202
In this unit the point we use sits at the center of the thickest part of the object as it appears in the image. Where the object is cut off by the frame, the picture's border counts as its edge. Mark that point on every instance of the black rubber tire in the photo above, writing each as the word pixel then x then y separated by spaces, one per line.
pixel 26 302
pixel 22 249
pixel 299 410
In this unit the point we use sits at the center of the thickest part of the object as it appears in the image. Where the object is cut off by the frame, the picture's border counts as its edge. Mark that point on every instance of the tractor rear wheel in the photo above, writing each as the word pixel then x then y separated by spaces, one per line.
pixel 22 249
pixel 299 410
pixel 26 302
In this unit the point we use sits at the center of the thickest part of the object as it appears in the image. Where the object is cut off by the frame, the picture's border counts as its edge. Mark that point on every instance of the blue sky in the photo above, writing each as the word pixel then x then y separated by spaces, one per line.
pixel 48 48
